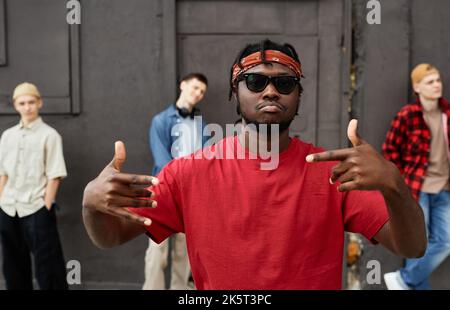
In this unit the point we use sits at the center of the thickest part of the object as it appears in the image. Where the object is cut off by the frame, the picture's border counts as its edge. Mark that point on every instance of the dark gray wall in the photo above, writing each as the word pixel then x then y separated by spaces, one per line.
pixel 121 46
pixel 127 76
pixel 411 32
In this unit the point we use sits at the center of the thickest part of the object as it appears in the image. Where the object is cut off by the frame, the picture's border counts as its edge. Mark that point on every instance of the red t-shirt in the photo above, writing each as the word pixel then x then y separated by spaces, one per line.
pixel 248 228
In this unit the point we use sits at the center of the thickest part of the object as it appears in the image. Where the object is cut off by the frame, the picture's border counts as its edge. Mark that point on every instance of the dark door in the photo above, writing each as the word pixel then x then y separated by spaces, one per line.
pixel 211 33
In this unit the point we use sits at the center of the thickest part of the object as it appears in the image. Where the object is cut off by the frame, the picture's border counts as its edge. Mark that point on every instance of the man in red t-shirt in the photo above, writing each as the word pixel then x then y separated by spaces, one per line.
pixel 248 227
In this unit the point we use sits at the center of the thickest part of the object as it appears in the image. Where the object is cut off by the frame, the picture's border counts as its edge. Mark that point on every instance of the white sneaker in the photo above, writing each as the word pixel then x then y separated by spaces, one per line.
pixel 394 281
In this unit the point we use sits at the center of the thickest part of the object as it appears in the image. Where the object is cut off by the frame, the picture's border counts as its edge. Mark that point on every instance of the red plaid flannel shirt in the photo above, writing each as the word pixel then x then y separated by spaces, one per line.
pixel 408 141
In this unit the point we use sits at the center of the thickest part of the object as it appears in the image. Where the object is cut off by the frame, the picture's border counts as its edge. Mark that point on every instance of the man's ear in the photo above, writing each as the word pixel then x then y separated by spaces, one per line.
pixel 15 105
pixel 40 103
pixel 183 85
pixel 416 87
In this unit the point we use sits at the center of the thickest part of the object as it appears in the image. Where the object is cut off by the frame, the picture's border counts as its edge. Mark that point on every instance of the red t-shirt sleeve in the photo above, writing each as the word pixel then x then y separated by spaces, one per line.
pixel 365 212
pixel 167 217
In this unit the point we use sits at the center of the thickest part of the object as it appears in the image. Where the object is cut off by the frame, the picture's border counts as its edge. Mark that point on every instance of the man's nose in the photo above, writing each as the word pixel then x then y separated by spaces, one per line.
pixel 270 92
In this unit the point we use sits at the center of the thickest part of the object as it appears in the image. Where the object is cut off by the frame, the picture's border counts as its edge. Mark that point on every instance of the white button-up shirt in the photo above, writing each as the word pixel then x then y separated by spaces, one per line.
pixel 29 156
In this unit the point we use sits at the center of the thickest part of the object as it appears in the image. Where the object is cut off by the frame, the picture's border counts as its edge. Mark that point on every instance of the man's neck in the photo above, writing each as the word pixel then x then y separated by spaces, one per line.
pixel 429 104
pixel 256 141
pixel 183 104
pixel 26 122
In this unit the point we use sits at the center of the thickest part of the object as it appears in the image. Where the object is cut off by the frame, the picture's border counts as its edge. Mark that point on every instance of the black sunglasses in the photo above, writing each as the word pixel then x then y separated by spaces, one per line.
pixel 256 82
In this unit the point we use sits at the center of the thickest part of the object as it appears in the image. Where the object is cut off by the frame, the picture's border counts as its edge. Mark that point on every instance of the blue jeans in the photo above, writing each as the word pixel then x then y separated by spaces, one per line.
pixel 436 210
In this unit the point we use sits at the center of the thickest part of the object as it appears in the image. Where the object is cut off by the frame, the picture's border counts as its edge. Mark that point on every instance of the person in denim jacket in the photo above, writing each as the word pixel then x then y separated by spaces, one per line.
pixel 175 132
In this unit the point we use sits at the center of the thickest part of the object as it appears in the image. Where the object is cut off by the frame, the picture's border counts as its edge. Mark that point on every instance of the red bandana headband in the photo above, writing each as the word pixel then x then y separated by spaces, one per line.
pixel 254 59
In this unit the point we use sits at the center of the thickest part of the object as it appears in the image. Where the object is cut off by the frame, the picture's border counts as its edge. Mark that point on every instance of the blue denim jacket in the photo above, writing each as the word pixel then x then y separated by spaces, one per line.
pixel 160 137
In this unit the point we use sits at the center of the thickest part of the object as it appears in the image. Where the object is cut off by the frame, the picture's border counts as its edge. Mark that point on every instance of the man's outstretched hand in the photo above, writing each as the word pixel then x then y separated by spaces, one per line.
pixel 361 167
pixel 112 191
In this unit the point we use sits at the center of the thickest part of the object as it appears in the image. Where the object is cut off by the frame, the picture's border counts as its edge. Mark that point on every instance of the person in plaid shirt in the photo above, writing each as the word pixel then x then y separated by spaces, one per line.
pixel 417 143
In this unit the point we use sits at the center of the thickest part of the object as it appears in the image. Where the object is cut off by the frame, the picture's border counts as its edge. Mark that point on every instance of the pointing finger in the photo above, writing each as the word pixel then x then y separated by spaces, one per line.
pixel 135 179
pixel 340 154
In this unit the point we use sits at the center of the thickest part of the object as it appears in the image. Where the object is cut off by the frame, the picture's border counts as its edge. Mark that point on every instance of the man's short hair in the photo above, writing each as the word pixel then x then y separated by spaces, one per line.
pixel 195 75
pixel 421 71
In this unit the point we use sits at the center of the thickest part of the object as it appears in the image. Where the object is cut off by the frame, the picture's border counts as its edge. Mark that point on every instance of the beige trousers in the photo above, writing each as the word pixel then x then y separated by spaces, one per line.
pixel 156 261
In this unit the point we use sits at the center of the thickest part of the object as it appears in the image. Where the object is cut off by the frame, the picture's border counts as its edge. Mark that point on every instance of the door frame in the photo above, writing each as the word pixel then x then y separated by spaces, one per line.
pixel 169 58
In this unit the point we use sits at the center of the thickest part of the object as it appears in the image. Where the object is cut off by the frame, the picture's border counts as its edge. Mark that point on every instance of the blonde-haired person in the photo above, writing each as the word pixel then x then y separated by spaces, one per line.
pixel 31 167
pixel 417 143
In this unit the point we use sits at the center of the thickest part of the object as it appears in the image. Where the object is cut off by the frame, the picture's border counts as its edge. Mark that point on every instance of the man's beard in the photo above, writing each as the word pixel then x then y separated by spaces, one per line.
pixel 283 126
